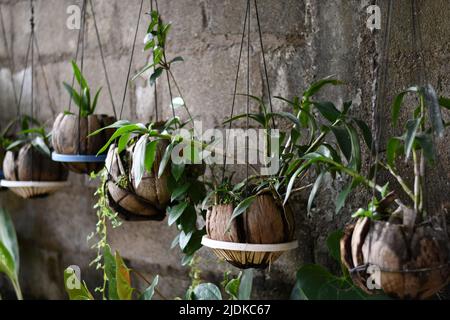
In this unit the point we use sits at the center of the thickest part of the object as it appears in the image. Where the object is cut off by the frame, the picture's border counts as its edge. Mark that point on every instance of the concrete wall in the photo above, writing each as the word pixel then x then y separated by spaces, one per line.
pixel 305 40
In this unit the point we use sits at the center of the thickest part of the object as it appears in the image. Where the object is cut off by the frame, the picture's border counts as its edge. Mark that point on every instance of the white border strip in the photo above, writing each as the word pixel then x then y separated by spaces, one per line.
pixel 34 184
pixel 213 244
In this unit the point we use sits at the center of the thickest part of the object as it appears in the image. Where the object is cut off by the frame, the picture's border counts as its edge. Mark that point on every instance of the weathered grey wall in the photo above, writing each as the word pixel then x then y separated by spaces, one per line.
pixel 305 40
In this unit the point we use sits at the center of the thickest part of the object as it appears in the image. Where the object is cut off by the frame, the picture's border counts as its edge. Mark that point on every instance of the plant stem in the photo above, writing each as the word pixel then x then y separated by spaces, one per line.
pixel 400 180
pixel 17 289
pixel 417 193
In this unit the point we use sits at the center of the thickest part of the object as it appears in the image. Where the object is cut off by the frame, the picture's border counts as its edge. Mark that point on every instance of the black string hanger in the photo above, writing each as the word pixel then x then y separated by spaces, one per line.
pixel 246 34
pixel 81 45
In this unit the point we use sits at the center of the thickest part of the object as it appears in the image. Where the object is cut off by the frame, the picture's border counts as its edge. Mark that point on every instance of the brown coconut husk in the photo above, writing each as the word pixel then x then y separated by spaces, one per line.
pixel 146 202
pixel 70 137
pixel 29 164
pixel 413 258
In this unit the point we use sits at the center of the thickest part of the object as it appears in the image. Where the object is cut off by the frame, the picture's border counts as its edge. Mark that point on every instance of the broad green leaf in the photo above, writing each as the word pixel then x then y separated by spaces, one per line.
pixel 412 126
pixel 137 128
pixel 432 102
pixel 398 101
pixel 176 59
pixel 245 287
pixel 175 212
pixel 95 102
pixel 241 208
pixel 180 191
pixel 317 86
pixel 150 291
pixel 123 142
pixel 178 170
pixel 188 219
pixel 311 279
pixel 444 102
pixel 110 272
pixel 327 110
pixel 314 191
pixel 150 154
pixel 8 237
pixel 75 96
pixel 194 243
pixel 342 197
pixel 232 288
pixel 344 141
pixel 426 143
pixel 334 245
pixel 123 280
pixel 393 149
pixel 139 155
pixel 355 163
pixel 366 132
pixel 207 291
pixel 165 160
pixel 158 72
pixel 184 239
pixel 74 288
pixel 79 76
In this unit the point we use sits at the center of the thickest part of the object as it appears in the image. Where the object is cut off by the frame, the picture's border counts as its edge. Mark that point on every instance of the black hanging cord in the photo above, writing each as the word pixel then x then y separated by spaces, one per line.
pixel 236 83
pixel 102 55
pixel 247 142
pixel 154 69
pixel 381 95
pixel 83 9
pixel 131 59
pixel 83 38
pixel 9 55
pixel 32 74
pixel 266 73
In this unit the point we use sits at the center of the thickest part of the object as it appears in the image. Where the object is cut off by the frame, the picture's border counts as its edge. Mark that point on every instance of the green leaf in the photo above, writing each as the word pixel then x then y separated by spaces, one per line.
pixel 241 208
pixel 115 125
pixel 75 96
pixel 150 291
pixel 137 128
pixel 232 288
pixel 327 110
pixel 123 142
pixel 356 148
pixel 444 102
pixel 288 116
pixel 314 191
pixel 293 179
pixel 79 76
pixel 176 59
pixel 344 141
pixel 94 104
pixel 158 72
pixel 39 144
pixel 188 219
pixel 412 126
pixel 393 149
pixel 207 291
pixel 245 287
pixel 426 143
pixel 165 160
pixel 184 239
pixel 110 272
pixel 343 195
pixel 398 101
pixel 311 279
pixel 366 132
pixel 145 69
pixel 334 245
pixel 178 170
pixel 8 237
pixel 175 212
pixel 432 102
pixel 139 155
pixel 74 288
pixel 180 191
pixel 150 154
pixel 317 86
pixel 124 290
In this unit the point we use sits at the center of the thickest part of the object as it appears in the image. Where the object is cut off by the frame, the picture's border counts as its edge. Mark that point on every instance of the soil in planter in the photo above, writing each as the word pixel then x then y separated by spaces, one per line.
pixel 71 137
pixel 414 261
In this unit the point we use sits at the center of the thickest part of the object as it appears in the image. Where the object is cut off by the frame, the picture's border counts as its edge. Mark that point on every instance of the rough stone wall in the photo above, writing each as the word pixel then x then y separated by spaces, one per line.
pixel 304 40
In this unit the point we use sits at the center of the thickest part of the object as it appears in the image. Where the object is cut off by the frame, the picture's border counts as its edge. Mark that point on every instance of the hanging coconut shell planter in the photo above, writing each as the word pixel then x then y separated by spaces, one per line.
pixel 146 201
pixel 412 260
pixel 256 238
pixel 73 145
pixel 72 140
pixel 28 169
pixel 32 174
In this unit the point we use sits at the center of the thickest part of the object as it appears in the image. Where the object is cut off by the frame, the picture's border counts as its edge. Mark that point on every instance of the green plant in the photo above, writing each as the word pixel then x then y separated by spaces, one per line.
pixel 83 99
pixel 186 189
pixel 315 282
pixel 239 288
pixel 294 145
pixel 416 142
pixel 9 251
pixel 118 284
pixel 104 216
pixel 36 136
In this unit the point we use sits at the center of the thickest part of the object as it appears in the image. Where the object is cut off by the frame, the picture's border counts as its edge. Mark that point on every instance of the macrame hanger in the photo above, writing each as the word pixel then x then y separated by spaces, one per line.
pixel 247 30
pixel 9 56
pixel 131 59
pixel 381 72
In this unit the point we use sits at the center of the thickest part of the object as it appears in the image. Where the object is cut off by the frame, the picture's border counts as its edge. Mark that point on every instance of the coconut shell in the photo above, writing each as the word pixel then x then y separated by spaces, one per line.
pixel 30 164
pixel 414 262
pixel 265 222
pixel 126 200
pixel 71 137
